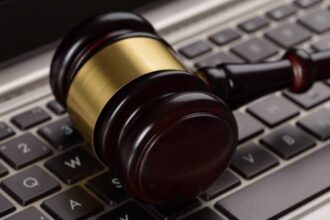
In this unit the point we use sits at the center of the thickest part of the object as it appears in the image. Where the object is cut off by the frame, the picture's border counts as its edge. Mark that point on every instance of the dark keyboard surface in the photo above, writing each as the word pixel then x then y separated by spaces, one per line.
pixel 224 183
pixel 3 170
pixel 74 165
pixel 253 24
pixel 6 207
pixel 318 94
pixel 61 134
pixel 5 131
pixel 216 59
pixel 288 141
pixel 255 50
pixel 108 187
pixel 288 35
pixel 281 163
pixel 317 21
pixel 130 211
pixel 305 179
pixel 307 3
pixel 23 150
pixel 322 44
pixel 169 212
pixel 281 12
pixel 225 36
pixel 30 118
pixel 205 213
pixel 30 185
pixel 29 213
pixel 273 110
pixel 252 160
pixel 74 203
pixel 317 123
pixel 248 127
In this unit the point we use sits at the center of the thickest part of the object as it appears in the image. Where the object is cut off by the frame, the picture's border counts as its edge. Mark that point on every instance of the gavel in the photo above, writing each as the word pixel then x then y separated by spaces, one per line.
pixel 168 133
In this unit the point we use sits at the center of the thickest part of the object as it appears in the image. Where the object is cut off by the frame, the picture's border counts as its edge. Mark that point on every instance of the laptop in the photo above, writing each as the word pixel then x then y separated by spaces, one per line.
pixel 281 169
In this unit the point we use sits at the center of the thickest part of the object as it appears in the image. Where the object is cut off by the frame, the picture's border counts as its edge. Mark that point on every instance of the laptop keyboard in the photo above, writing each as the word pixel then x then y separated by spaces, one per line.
pixel 280 164
pixel 30 118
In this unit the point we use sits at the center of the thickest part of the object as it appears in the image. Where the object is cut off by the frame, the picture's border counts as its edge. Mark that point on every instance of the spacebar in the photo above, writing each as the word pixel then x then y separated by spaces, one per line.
pixel 282 191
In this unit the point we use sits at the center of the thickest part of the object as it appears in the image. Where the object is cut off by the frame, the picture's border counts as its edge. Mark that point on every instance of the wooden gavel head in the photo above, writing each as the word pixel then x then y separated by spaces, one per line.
pixel 167 133
pixel 146 117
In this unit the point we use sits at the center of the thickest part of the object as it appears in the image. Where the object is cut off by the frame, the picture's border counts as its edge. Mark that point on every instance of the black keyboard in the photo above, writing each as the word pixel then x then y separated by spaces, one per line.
pixel 282 161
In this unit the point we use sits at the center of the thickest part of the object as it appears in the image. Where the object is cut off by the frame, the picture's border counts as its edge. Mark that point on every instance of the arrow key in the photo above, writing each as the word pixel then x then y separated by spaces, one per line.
pixel 251 160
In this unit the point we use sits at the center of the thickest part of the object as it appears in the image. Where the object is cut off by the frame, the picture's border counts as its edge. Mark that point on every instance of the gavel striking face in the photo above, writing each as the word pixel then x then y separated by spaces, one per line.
pixel 166 132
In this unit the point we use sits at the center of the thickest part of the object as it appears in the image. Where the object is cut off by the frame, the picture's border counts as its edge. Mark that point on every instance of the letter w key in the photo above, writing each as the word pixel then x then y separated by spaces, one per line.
pixel 74 165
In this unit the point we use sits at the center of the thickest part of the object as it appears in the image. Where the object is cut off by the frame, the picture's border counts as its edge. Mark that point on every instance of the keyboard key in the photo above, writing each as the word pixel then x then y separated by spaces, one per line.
pixel 195 49
pixel 74 203
pixel 5 131
pixel 251 160
pixel 56 107
pixel 30 118
pixel 281 12
pixel 204 214
pixel 225 36
pixel 255 50
pixel 129 211
pixel 224 183
pixel 74 165
pixel 273 110
pixel 281 192
pixel 253 24
pixel 318 94
pixel 323 44
pixel 248 127
pixel 288 142
pixel 288 35
pixel 23 150
pixel 318 21
pixel 30 213
pixel 61 134
pixel 30 185
pixel 172 211
pixel 108 188
pixel 215 60
pixel 306 3
pixel 6 207
pixel 3 170
pixel 317 123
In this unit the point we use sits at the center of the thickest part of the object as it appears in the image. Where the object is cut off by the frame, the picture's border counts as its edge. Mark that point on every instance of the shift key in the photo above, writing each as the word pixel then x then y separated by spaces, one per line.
pixel 282 191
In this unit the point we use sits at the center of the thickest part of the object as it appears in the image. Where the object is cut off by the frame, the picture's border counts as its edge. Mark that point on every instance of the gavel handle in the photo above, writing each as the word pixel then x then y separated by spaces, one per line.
pixel 238 84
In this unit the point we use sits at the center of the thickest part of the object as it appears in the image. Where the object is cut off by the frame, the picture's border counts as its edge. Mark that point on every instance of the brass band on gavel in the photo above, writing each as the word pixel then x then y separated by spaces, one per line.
pixel 109 70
